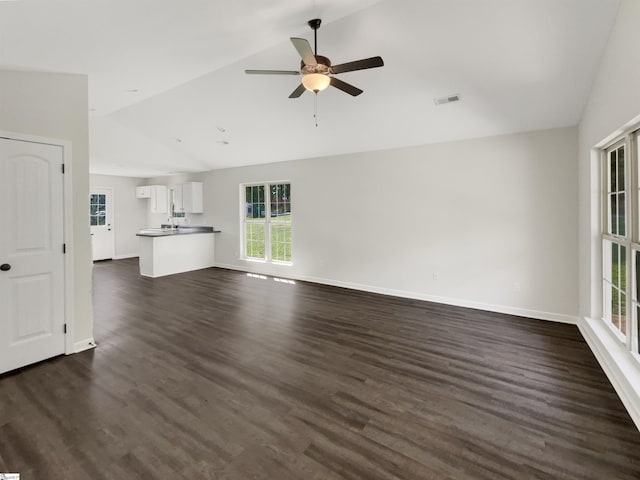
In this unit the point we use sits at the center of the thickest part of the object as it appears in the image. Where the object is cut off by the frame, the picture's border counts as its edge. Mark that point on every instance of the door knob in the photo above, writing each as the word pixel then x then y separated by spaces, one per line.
pixel 5 267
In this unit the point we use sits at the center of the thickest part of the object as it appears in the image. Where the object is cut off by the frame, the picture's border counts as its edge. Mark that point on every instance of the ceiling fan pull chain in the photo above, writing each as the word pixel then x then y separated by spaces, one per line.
pixel 315 108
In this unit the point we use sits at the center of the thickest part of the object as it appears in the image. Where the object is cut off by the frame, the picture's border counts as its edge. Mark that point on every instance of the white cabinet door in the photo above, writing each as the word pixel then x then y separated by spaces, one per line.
pixel 178 198
pixel 158 199
pixel 157 195
pixel 188 197
pixel 31 253
pixel 192 197
pixel 143 191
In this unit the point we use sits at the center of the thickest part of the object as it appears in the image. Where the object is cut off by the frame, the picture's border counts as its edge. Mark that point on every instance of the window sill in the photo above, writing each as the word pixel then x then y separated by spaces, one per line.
pixel 622 338
pixel 258 260
pixel 253 260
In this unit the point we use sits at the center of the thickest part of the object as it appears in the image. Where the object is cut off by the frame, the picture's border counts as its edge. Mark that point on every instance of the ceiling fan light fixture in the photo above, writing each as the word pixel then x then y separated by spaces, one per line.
pixel 316 82
pixel 317 71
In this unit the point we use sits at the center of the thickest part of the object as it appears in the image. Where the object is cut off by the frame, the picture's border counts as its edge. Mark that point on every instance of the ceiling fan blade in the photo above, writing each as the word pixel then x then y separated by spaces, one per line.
pixel 272 72
pixel 305 51
pixel 298 91
pixel 363 64
pixel 345 87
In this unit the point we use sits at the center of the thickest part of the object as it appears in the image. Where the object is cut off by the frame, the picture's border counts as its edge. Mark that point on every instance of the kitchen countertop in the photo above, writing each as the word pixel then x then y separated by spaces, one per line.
pixel 168 232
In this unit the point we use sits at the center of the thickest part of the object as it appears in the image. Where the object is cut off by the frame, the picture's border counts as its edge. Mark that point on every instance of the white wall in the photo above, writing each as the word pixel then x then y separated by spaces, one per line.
pixel 613 104
pixel 495 219
pixel 56 106
pixel 129 212
pixel 614 101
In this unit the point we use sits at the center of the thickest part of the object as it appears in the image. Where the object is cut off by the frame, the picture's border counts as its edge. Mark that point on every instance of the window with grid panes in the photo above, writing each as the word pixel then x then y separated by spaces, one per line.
pixel 621 239
pixel 615 243
pixel 266 226
pixel 97 209
pixel 633 340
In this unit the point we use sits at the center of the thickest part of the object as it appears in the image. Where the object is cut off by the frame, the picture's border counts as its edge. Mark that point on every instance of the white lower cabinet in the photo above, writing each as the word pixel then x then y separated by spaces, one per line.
pixel 169 254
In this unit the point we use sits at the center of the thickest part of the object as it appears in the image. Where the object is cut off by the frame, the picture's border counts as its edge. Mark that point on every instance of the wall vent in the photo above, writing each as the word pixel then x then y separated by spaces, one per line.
pixel 448 99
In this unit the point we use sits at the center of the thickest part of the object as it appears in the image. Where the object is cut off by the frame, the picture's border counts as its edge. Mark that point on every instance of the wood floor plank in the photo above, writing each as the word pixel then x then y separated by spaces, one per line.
pixel 218 375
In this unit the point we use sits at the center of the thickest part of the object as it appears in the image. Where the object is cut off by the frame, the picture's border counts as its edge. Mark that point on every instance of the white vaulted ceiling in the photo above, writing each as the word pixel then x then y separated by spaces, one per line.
pixel 165 77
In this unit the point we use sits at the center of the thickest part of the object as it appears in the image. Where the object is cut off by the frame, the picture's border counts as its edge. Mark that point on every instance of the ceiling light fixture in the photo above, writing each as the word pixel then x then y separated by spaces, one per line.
pixel 316 82
pixel 317 71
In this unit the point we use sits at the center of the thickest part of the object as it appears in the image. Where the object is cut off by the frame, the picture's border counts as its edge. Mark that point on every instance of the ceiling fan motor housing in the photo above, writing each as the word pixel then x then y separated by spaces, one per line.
pixel 323 66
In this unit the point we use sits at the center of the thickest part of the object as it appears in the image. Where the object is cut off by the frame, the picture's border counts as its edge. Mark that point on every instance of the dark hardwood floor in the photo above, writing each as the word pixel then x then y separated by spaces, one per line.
pixel 218 375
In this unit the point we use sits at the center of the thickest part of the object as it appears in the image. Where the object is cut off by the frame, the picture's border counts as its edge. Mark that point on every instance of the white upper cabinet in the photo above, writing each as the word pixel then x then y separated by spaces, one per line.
pixel 158 202
pixel 143 191
pixel 157 195
pixel 188 197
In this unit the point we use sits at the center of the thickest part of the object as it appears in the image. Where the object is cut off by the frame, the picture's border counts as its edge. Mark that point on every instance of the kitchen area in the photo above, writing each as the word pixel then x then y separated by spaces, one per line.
pixel 160 220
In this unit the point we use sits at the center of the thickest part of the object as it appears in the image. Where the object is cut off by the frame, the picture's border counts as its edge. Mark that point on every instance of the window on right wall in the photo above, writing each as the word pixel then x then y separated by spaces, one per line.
pixel 621 239
pixel 615 240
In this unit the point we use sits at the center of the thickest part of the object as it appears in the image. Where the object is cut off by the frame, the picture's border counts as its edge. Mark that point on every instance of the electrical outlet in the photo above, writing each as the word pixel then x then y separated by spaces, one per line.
pixel 436 275
pixel 516 286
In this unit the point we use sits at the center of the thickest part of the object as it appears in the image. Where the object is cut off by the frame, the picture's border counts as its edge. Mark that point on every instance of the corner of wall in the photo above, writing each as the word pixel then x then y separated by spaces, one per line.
pixel 622 370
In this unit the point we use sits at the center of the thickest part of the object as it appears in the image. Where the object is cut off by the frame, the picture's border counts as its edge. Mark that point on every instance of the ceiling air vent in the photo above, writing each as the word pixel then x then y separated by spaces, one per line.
pixel 448 99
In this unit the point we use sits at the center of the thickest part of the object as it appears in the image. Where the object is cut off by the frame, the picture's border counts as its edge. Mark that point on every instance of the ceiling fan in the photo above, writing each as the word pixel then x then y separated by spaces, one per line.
pixel 317 71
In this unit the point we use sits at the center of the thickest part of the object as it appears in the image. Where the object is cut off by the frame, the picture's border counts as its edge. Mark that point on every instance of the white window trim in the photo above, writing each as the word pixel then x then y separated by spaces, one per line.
pixel 631 239
pixel 268 222
pixel 631 144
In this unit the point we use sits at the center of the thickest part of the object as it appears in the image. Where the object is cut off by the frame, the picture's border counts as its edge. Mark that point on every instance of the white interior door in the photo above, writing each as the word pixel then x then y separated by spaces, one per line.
pixel 32 308
pixel 101 215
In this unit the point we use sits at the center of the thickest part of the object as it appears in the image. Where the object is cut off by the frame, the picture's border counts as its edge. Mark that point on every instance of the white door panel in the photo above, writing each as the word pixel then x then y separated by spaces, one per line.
pixel 32 290
pixel 101 221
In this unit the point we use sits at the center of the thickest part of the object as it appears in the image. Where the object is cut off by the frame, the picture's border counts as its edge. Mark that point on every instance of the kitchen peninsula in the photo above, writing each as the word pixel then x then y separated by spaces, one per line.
pixel 169 250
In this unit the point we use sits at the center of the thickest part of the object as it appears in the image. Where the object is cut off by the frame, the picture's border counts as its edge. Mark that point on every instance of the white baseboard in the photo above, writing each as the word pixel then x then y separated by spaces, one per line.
pixel 520 312
pixel 122 257
pixel 82 345
pixel 617 362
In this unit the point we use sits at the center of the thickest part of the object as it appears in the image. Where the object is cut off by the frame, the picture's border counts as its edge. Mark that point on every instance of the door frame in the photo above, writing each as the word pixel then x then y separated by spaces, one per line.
pixel 67 206
pixel 112 217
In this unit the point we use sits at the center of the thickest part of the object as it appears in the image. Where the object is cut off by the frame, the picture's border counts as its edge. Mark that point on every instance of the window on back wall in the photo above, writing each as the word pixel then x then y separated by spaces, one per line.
pixel 266 225
pixel 620 239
